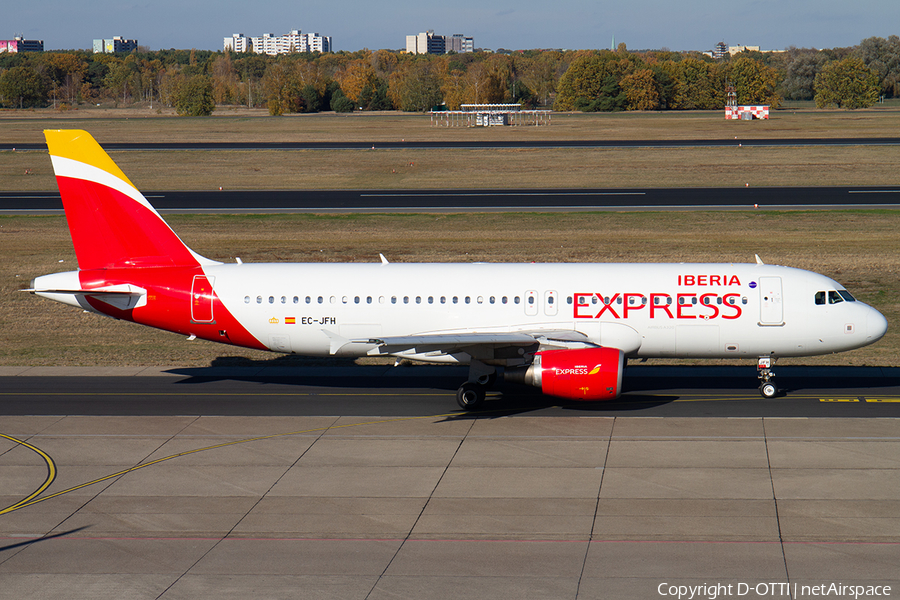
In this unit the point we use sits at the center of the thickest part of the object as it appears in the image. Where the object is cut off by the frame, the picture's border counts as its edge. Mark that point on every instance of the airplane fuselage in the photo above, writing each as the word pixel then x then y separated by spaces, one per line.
pixel 646 310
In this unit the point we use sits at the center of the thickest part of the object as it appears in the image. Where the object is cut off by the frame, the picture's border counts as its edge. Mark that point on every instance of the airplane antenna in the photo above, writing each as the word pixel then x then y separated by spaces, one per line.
pixel 758 260
pixel 384 261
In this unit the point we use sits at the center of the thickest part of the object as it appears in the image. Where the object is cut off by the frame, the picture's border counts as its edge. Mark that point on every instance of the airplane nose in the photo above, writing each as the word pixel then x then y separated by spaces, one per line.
pixel 876 326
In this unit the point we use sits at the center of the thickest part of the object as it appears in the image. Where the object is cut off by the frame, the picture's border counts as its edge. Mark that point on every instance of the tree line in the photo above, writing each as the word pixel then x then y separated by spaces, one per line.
pixel 195 81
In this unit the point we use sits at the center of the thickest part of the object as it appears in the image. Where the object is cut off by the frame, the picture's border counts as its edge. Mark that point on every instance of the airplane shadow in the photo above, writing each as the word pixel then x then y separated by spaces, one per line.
pixel 43 538
pixel 647 390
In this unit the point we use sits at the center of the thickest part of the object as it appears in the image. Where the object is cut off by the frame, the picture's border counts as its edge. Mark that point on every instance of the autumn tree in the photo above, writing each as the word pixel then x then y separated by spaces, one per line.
pixel 882 56
pixel 640 90
pixel 539 73
pixel 801 67
pixel 354 77
pixel 754 82
pixel 483 84
pixel 22 87
pixel 414 86
pixel 592 83
pixel 194 97
pixel 583 79
pixel 847 83
pixel 225 80
pixel 695 86
pixel 282 90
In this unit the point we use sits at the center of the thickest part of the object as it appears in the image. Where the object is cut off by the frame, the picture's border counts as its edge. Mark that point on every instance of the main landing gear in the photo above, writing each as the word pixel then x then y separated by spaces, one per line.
pixel 471 394
pixel 767 387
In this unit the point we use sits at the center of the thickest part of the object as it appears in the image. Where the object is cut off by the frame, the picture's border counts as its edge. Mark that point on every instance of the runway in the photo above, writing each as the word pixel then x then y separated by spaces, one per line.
pixel 368 482
pixel 419 391
pixel 499 200
pixel 460 145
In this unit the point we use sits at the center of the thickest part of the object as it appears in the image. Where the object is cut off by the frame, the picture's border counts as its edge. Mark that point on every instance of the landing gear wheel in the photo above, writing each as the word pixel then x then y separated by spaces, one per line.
pixel 470 396
pixel 768 390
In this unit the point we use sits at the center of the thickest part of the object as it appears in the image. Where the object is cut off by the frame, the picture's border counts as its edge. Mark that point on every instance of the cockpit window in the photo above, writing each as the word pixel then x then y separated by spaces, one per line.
pixel 820 297
pixel 834 297
pixel 846 296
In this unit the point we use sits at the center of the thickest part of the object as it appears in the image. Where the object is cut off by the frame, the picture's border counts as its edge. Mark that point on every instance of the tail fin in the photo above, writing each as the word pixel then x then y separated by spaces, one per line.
pixel 111 223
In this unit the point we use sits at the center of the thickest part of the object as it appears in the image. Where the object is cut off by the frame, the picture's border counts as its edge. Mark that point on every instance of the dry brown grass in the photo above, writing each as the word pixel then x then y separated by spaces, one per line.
pixel 492 168
pixel 145 125
pixel 474 169
pixel 859 249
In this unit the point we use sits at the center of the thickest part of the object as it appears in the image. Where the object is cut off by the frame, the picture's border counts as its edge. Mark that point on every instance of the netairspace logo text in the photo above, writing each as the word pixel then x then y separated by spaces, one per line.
pixel 770 590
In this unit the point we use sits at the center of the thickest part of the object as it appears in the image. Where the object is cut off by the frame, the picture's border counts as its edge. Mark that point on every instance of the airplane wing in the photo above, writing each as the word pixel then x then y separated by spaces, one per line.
pixel 483 345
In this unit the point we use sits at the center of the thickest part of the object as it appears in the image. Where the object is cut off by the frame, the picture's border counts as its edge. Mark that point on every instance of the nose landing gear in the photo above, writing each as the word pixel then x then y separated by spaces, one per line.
pixel 767 387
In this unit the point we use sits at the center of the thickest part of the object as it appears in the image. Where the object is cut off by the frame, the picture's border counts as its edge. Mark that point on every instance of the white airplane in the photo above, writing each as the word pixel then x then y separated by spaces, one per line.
pixel 565 328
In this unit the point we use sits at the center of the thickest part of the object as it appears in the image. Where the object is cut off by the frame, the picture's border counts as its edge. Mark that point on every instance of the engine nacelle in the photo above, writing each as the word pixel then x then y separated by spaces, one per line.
pixel 582 374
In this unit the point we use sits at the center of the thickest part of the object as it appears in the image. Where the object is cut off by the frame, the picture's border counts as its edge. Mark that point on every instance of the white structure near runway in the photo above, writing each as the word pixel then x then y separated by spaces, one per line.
pixel 489 115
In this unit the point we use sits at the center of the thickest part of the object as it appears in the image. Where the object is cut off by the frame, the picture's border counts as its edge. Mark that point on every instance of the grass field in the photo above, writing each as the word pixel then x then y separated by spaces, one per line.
pixel 860 249
pixel 429 169
pixel 146 125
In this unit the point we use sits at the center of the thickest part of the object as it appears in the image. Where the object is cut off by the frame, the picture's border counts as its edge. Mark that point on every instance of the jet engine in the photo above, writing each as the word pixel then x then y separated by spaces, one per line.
pixel 579 374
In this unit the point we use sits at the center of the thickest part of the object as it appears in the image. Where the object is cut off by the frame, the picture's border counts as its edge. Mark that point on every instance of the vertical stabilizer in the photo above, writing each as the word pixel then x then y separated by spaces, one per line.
pixel 111 223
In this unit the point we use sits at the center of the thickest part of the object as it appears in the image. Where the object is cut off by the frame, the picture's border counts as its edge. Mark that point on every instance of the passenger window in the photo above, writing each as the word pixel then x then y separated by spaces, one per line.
pixel 259 299
pixel 393 299
pixel 516 300
pixel 504 300
pixel 430 299
pixel 283 300
pixel 568 300
pixel 530 299
pixel 744 300
pixel 492 300
pixel 296 300
pixel 468 300
pixel 820 297
pixel 271 299
pixel 246 299
pixel 405 299
pixel 834 297
pixel 368 299
pixel 455 300
pixel 356 299
pixel 321 299
pixel 443 299
pixel 550 300
pixel 345 299
pixel 418 299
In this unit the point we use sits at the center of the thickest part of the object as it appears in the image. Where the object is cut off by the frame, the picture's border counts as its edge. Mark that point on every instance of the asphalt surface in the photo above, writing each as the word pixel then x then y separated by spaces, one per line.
pixel 250 201
pixel 369 483
pixel 238 145
pixel 658 391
